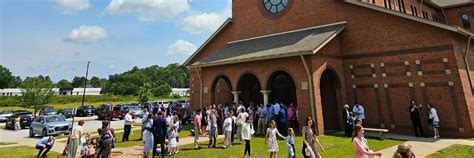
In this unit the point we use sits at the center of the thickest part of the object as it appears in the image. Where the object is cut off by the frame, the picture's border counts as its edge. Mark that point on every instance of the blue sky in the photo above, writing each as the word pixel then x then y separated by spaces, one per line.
pixel 58 37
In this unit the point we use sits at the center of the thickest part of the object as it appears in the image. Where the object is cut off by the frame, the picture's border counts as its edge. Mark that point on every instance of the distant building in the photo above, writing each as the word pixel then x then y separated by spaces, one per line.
pixel 58 91
pixel 180 91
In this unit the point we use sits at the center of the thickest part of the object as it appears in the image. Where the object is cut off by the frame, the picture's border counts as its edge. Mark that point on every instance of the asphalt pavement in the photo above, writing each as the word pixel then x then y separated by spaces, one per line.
pixel 21 136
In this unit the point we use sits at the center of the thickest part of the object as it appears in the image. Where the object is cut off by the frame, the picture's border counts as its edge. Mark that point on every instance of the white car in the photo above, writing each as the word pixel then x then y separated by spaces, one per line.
pixel 5 114
pixel 164 104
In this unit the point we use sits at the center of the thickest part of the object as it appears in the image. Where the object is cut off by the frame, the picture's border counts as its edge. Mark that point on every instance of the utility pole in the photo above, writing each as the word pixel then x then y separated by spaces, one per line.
pixel 83 94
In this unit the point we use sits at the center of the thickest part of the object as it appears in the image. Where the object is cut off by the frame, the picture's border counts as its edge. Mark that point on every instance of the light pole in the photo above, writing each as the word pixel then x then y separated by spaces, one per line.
pixel 83 94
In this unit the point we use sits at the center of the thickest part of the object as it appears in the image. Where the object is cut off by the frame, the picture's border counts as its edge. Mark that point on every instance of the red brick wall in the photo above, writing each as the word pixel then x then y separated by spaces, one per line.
pixel 454 15
pixel 370 38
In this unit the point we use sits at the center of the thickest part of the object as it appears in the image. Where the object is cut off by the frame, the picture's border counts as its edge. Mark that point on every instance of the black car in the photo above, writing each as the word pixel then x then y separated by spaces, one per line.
pixel 85 110
pixel 26 118
pixel 67 112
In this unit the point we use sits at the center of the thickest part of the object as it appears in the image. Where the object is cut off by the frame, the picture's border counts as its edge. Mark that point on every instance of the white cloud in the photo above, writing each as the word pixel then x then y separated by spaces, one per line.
pixel 181 47
pixel 200 22
pixel 147 10
pixel 73 6
pixel 87 34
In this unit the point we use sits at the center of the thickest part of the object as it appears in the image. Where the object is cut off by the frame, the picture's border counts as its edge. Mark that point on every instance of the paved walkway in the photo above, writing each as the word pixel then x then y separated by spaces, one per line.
pixel 421 146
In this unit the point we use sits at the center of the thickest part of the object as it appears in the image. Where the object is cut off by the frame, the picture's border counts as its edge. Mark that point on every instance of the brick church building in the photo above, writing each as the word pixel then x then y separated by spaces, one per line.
pixel 322 54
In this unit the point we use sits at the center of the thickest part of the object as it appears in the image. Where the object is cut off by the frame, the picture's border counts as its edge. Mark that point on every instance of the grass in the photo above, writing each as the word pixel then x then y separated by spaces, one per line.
pixel 23 152
pixel 7 143
pixel 454 151
pixel 335 146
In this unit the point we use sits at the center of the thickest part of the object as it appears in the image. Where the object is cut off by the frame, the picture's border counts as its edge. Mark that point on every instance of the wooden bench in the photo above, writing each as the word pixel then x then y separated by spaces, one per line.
pixel 378 130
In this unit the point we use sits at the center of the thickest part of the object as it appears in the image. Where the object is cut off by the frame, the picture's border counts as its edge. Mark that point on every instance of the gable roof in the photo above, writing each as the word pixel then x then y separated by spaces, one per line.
pixel 227 22
pixel 285 44
pixel 456 29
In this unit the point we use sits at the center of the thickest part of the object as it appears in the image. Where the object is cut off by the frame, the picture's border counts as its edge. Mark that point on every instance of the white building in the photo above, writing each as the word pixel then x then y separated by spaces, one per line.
pixel 180 91
pixel 58 91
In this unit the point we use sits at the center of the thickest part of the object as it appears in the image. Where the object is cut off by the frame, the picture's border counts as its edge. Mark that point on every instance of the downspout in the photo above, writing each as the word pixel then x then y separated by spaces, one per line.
pixel 466 63
pixel 311 92
pixel 445 18
pixel 200 87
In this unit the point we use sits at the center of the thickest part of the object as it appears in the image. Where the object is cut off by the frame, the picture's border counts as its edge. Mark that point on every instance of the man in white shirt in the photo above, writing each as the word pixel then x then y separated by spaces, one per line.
pixel 359 112
pixel 127 125
pixel 276 108
pixel 262 121
pixel 74 138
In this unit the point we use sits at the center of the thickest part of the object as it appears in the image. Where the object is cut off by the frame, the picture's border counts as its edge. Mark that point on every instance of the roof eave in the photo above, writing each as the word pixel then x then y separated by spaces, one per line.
pixel 414 18
pixel 308 52
pixel 315 50
pixel 228 21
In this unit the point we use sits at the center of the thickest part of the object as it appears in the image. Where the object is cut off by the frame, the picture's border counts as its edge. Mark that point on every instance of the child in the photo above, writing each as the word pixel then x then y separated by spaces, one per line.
pixel 172 134
pixel 272 143
pixel 290 143
pixel 85 141
pixel 247 132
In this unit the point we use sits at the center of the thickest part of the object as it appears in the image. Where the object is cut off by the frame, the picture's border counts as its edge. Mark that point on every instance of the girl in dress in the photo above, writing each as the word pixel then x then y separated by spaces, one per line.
pixel 172 134
pixel 360 144
pixel 271 140
pixel 290 143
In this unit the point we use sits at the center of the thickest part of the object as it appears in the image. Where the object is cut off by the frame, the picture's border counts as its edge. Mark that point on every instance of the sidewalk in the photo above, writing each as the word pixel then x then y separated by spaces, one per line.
pixel 137 151
pixel 421 146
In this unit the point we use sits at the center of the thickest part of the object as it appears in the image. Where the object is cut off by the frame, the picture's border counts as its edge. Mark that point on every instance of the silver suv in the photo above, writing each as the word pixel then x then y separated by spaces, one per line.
pixel 50 125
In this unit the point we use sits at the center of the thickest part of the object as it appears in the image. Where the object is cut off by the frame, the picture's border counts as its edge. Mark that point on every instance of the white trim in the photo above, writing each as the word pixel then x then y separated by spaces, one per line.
pixel 281 33
pixel 456 29
pixel 229 20
pixel 329 39
pixel 254 59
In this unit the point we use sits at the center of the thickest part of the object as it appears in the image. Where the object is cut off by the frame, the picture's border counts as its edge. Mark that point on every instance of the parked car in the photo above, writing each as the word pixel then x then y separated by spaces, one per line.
pixel 104 111
pixel 146 105
pixel 48 110
pixel 136 111
pixel 182 103
pixel 119 111
pixel 26 118
pixel 67 112
pixel 85 110
pixel 5 114
pixel 50 125
pixel 164 104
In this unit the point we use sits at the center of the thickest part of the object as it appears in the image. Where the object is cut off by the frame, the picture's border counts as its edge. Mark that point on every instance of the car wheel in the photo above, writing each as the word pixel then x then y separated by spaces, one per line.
pixel 44 133
pixel 31 132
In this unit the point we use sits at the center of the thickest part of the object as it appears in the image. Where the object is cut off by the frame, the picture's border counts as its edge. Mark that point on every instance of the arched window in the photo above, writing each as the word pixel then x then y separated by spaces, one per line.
pixel 465 21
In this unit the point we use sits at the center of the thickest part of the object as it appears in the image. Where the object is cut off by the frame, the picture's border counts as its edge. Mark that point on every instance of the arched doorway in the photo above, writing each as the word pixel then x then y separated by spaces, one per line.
pixel 221 91
pixel 329 85
pixel 282 88
pixel 250 89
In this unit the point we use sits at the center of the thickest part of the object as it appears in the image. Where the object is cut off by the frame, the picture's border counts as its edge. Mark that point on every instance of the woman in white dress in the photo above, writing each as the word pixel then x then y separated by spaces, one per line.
pixel 271 140
pixel 433 116
pixel 148 135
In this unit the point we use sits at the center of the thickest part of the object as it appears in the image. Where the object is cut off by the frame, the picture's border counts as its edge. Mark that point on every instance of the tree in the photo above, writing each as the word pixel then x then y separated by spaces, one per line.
pixel 95 82
pixel 78 82
pixel 15 82
pixel 64 84
pixel 175 96
pixel 163 90
pixel 5 77
pixel 144 93
pixel 37 92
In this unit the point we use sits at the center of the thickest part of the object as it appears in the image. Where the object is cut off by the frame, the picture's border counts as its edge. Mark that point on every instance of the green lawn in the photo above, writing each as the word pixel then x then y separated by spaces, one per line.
pixel 6 143
pixel 454 151
pixel 335 146
pixel 23 151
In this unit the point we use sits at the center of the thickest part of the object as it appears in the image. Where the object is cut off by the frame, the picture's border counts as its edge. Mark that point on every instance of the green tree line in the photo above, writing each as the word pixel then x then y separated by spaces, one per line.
pixel 160 80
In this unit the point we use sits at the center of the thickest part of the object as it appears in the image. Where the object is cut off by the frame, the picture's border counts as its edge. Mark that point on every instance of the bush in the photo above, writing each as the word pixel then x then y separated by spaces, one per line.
pixel 16 100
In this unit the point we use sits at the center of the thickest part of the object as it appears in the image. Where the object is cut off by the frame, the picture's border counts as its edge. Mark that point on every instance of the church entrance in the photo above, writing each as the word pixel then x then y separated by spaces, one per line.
pixel 329 86
pixel 221 91
pixel 282 88
pixel 250 89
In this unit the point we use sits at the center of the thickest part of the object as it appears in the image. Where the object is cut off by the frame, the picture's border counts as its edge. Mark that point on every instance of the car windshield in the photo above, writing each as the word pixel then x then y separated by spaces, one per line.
pixel 49 109
pixel 182 101
pixel 133 108
pixel 55 119
pixel 67 110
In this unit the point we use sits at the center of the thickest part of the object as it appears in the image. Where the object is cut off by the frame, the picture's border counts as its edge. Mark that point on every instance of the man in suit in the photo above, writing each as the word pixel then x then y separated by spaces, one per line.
pixel 159 133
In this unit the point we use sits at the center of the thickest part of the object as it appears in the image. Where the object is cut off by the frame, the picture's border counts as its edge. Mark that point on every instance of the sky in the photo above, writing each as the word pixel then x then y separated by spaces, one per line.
pixel 57 38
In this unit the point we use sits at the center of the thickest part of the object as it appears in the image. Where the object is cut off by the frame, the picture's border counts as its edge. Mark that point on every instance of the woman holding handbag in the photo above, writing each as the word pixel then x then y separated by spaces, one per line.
pixel 309 139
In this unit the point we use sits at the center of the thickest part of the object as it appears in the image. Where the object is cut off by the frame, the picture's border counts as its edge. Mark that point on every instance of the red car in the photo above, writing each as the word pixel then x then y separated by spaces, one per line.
pixel 119 111
pixel 103 112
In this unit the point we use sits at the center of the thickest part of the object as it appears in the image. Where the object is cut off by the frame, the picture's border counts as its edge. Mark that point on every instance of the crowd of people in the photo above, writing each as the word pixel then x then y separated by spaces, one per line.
pixel 161 127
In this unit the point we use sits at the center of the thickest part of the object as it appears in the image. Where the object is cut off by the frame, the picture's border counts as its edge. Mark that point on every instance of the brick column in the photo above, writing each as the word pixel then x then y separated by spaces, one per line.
pixel 265 96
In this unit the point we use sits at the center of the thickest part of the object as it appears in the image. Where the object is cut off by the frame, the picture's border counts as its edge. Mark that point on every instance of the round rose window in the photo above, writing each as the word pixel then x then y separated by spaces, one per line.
pixel 275 6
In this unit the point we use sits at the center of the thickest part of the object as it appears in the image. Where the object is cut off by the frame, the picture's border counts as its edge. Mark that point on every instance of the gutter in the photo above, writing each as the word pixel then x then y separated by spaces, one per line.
pixel 311 91
pixel 466 63
pixel 200 87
